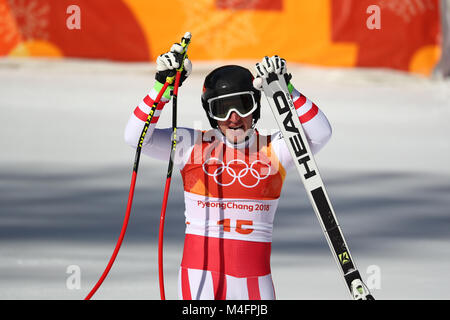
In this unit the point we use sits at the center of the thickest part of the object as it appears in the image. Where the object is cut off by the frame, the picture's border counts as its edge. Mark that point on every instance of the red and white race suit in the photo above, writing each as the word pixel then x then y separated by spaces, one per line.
pixel 231 194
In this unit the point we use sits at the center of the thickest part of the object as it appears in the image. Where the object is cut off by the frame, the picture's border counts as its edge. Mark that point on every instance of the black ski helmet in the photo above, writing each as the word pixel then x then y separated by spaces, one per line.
pixel 229 79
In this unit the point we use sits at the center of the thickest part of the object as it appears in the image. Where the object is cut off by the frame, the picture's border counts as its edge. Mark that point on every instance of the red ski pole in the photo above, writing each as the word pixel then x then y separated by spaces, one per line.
pixel 130 194
pixel 184 43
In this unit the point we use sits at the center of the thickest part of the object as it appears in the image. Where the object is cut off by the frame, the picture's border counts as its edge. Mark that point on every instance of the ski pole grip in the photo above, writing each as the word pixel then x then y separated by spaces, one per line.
pixel 185 40
pixel 184 43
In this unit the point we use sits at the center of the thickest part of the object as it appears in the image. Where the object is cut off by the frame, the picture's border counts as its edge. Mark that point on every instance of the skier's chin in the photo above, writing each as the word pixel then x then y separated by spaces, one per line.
pixel 237 135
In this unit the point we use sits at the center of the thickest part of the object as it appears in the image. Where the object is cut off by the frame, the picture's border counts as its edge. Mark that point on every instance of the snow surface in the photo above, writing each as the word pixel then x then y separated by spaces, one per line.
pixel 65 172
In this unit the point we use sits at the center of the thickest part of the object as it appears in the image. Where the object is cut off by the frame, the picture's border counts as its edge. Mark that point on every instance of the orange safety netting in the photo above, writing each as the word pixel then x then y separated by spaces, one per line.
pixel 319 32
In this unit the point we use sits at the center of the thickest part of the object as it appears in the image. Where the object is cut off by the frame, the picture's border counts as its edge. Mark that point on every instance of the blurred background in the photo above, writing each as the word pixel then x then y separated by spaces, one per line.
pixel 72 72
pixel 406 35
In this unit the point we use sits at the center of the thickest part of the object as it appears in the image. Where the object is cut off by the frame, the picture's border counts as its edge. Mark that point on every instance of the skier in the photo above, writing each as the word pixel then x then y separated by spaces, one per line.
pixel 232 177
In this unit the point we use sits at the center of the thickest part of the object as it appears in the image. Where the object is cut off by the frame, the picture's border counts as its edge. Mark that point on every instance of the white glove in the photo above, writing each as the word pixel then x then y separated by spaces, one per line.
pixel 167 63
pixel 268 65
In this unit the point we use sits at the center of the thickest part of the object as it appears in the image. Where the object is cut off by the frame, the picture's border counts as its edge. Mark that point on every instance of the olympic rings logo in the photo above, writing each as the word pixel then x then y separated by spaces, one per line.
pixel 222 167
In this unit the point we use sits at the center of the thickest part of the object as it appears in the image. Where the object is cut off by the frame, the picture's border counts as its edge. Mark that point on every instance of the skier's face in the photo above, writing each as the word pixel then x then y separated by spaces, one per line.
pixel 235 128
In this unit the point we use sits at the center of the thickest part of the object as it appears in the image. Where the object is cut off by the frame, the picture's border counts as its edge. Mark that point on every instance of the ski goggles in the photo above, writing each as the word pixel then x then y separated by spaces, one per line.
pixel 221 107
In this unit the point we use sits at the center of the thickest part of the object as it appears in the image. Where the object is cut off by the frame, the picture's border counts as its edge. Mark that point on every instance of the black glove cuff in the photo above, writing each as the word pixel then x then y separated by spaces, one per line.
pixel 161 76
pixel 287 77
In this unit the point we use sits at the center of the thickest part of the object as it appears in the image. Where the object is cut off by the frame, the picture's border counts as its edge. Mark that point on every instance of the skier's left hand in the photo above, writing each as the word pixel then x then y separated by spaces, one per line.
pixel 268 65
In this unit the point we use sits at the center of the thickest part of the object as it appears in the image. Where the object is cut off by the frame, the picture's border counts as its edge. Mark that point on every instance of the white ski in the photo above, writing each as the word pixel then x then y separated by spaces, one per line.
pixel 280 101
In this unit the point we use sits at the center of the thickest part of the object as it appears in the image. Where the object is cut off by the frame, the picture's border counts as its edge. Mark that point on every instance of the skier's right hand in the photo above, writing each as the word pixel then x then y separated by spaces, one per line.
pixel 167 63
